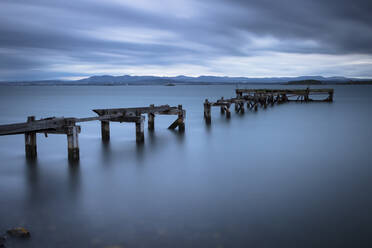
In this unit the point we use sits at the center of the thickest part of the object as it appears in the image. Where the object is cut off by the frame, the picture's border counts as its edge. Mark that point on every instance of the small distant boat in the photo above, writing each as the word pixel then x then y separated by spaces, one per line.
pixel 169 84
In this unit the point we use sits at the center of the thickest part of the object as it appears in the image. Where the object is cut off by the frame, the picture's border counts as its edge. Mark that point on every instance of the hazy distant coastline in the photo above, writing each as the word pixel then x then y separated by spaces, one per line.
pixel 107 80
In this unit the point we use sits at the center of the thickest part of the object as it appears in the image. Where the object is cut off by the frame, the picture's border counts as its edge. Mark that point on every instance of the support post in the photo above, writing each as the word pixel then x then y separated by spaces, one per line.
pixel 73 143
pixel 151 120
pixel 181 123
pixel 140 137
pixel 330 96
pixel 222 107
pixel 228 113
pixel 236 107
pixel 30 141
pixel 105 130
pixel 242 107
pixel 207 111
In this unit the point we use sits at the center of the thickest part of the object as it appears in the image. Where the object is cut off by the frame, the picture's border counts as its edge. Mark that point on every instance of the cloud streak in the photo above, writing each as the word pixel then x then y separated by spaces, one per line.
pixel 46 39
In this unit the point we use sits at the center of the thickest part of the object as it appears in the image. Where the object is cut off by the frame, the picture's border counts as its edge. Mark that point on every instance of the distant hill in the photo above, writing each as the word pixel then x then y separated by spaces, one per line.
pixel 201 80
pixel 305 82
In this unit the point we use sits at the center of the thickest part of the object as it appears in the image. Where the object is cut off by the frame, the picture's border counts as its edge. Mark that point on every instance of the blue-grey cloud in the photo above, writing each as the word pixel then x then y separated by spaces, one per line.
pixel 42 39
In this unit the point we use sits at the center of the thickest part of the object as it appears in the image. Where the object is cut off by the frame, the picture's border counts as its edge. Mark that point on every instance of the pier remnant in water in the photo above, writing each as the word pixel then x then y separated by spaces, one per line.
pixel 263 97
pixel 67 126
pixel 135 115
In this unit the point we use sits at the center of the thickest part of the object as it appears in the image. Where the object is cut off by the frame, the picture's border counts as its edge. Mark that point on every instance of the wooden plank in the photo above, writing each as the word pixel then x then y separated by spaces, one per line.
pixel 163 109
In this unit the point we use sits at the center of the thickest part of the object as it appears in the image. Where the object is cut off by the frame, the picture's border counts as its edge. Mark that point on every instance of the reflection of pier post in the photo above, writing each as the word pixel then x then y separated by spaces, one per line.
pixel 30 141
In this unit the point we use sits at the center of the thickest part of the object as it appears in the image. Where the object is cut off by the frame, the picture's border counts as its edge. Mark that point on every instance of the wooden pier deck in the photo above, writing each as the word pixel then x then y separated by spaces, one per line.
pixel 255 97
pixel 69 127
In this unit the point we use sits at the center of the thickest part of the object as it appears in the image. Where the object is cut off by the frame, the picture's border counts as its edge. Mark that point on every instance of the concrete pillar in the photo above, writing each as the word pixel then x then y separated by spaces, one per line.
pixel 140 136
pixel 73 143
pixel 30 142
pixel 105 130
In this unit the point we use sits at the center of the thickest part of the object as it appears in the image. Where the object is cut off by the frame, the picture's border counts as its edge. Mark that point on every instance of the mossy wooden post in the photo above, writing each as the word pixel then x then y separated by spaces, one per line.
pixel 181 123
pixel 207 111
pixel 105 130
pixel 73 143
pixel 30 141
pixel 151 120
pixel 140 136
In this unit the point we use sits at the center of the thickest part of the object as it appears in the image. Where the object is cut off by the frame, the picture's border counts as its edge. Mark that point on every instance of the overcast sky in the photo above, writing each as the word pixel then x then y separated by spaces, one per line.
pixel 52 39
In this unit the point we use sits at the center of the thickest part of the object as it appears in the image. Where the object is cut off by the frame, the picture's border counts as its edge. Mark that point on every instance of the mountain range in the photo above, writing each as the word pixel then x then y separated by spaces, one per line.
pixel 156 80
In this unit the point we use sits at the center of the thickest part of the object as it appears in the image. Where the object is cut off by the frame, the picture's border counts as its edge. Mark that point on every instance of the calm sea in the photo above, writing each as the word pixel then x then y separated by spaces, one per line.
pixel 293 175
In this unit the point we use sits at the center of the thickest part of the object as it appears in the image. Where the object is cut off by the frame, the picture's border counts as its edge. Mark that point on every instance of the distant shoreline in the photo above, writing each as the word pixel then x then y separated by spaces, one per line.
pixel 178 84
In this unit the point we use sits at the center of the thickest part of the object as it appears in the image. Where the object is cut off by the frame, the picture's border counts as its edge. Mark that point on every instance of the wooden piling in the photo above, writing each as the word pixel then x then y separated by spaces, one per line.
pixel 181 122
pixel 73 143
pixel 222 107
pixel 30 141
pixel 207 111
pixel 105 130
pixel 236 107
pixel 140 136
pixel 228 113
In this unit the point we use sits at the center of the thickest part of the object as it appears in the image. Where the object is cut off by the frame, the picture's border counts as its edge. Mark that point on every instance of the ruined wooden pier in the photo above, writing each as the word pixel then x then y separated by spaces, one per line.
pixel 253 98
pixel 67 126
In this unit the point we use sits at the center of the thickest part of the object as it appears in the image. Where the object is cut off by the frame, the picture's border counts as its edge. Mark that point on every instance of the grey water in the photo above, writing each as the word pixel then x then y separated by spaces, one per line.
pixel 293 175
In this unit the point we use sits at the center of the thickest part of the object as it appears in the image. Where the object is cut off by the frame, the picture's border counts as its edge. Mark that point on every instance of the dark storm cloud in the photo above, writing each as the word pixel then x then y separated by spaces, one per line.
pixel 43 36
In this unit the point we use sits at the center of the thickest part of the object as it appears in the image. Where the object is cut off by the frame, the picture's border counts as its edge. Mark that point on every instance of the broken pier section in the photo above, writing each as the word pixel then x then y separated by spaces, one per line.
pixel 253 98
pixel 68 127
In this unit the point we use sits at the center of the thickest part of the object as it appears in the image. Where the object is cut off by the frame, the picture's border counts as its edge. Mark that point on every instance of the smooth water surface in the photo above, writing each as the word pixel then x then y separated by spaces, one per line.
pixel 293 175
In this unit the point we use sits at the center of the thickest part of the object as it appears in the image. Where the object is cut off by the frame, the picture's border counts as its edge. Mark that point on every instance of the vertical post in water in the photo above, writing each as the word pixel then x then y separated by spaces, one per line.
pixel 207 111
pixel 30 141
pixel 151 119
pixel 73 143
pixel 105 130
pixel 228 113
pixel 140 137
pixel 236 107
pixel 181 123
pixel 242 107
pixel 222 107
pixel 330 96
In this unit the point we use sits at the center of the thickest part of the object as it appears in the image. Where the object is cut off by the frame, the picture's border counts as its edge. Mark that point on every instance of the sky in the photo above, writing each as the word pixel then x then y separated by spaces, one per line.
pixel 61 39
